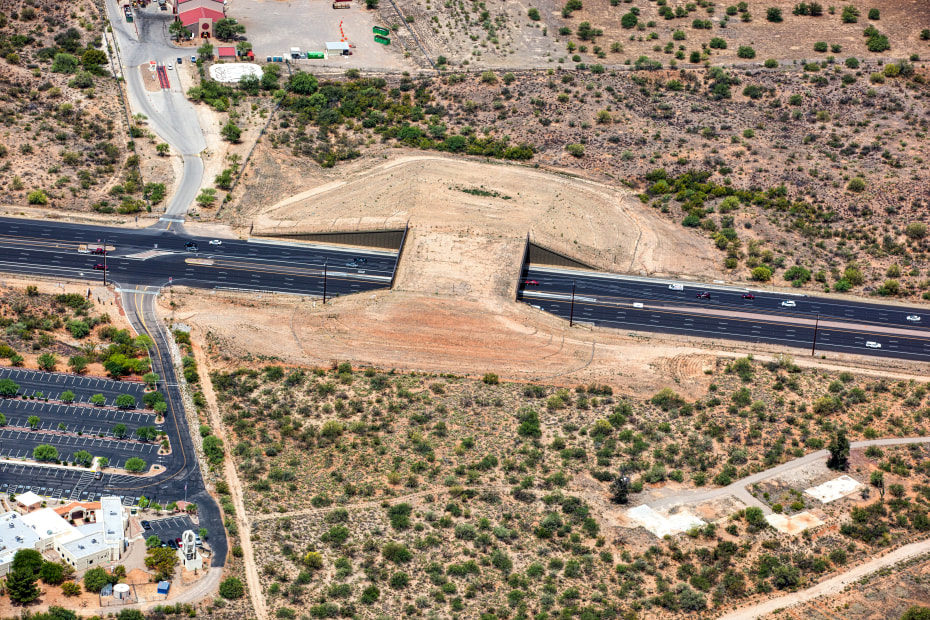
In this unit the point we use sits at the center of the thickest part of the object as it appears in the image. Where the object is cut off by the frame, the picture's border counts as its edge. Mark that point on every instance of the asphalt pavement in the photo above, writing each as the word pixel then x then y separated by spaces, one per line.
pixel 675 307
pixel 52 385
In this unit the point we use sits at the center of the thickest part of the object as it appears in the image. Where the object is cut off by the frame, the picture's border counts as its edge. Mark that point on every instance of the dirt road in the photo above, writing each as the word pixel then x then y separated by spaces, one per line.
pixel 832 585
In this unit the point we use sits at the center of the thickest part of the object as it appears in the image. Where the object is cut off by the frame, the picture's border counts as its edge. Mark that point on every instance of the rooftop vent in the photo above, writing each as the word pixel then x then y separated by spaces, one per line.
pixel 93 541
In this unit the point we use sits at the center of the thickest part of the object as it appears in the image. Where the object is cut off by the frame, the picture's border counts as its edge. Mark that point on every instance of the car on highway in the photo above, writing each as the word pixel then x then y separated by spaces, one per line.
pixel 748 296
pixel 145 525
pixel 788 303
pixel 913 318
pixel 98 251
pixel 531 283
pixel 704 295
pixel 170 66
pixel 873 345
pixel 190 246
pixel 361 260
pixel 216 242
pixel 101 267
pixel 351 263
pixel 676 287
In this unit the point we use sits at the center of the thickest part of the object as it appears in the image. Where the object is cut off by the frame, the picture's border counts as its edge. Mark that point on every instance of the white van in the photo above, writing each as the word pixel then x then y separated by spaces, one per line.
pixel 676 287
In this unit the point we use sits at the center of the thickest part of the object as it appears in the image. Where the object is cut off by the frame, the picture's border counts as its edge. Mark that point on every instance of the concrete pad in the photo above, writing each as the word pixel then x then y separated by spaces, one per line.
pixel 233 72
pixel 794 524
pixel 834 489
pixel 664 524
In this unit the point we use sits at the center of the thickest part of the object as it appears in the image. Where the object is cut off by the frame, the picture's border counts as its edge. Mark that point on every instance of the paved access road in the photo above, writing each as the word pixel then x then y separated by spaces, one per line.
pixel 845 326
pixel 151 257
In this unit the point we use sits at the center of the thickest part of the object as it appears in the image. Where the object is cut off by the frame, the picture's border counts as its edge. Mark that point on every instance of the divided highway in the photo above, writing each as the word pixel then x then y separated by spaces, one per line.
pixel 843 326
pixel 149 257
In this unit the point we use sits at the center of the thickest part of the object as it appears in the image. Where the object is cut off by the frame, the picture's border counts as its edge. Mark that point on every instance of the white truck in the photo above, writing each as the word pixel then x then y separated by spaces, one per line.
pixel 295 52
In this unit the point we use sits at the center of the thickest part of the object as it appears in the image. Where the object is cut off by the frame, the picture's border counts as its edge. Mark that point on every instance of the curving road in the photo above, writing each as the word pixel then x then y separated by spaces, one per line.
pixel 170 114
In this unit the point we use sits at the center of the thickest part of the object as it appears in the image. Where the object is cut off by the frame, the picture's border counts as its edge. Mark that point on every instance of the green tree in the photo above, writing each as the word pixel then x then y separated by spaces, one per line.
pixel 152 541
pixel 52 573
pixel 93 58
pixel 98 400
pixel 177 29
pixel 83 457
pixel 64 63
pixel 231 132
pixel 850 14
pixel 45 452
pixel 917 612
pixel 96 579
pixel 226 29
pixel 762 274
pixel 125 401
pixel 745 51
pixel 22 587
pixel 231 588
pixel 533 14
pixel 28 560
pixel 773 14
pixel 33 421
pixel 163 148
pixel 207 197
pixel 839 451
pixel 70 588
pixel 77 363
pixel 8 388
pixel 205 51
pixel 47 361
pixel 130 614
pixel 134 465
pixel 302 83
pixel 371 5
pixel 151 379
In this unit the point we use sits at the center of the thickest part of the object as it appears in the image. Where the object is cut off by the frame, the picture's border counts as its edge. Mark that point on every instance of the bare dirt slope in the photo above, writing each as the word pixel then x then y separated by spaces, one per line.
pixel 596 223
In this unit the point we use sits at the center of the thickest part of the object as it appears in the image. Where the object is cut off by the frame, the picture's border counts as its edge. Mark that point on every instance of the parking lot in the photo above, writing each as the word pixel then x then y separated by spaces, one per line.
pixel 62 485
pixel 274 28
pixel 170 528
pixel 75 417
pixel 19 444
pixel 52 384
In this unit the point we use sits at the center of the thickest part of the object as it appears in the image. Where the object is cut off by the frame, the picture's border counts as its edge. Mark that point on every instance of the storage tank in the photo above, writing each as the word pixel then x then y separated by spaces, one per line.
pixel 121 591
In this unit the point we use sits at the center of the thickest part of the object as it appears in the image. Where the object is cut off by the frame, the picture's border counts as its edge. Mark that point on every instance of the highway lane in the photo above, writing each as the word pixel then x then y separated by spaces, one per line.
pixel 152 258
pixel 626 288
pixel 621 314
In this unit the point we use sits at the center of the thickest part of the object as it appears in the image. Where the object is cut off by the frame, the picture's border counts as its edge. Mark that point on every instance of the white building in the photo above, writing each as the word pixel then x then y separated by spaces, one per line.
pixel 14 535
pixel 96 543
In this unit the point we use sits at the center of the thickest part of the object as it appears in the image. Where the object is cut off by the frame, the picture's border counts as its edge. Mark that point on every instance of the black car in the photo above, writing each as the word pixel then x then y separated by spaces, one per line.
pixel 361 260
pixel 171 543
pixel 145 525
pixel 704 295
pixel 190 246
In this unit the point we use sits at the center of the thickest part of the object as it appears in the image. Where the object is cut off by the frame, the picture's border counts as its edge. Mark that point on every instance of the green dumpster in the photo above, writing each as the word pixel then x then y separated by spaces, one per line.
pixel 382 40
pixel 382 31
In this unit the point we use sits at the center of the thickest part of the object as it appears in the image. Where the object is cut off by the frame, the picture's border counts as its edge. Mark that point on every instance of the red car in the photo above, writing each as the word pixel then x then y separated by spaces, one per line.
pixel 703 295
pixel 98 251
pixel 531 283
pixel 179 541
pixel 101 267
pixel 748 296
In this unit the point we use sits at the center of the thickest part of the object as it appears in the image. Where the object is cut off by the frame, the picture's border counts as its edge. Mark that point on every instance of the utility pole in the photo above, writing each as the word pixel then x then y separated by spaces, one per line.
pixel 104 261
pixel 814 344
pixel 325 261
pixel 571 316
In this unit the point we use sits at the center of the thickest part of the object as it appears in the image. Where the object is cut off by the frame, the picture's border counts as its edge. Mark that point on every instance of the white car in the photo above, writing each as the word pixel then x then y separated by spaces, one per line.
pixel 216 242
pixel 913 318
pixel 873 345
pixel 170 67
pixel 788 304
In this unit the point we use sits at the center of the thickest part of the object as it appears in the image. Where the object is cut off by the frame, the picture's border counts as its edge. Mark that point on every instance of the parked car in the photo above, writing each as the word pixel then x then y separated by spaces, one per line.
pixel 145 525
pixel 98 475
pixel 170 66
pixel 704 295
pixel 748 296
pixel 873 345
pixel 788 303
pixel 171 543
pixel 178 541
pixel 913 318
pixel 198 541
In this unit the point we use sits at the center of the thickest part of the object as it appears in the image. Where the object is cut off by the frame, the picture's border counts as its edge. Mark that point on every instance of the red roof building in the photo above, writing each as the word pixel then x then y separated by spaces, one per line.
pixel 200 20
pixel 226 52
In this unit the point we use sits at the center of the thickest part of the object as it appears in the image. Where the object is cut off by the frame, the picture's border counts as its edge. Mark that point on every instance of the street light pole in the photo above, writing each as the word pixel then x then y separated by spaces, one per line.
pixel 104 261
pixel 325 261
pixel 571 315
pixel 814 344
